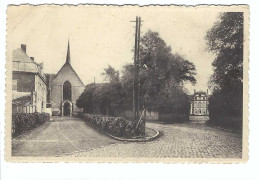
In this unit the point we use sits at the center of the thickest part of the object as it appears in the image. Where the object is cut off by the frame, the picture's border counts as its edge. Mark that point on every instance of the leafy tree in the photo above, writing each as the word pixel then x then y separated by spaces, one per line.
pixel 111 74
pixel 103 98
pixel 225 40
pixel 162 76
pixel 85 100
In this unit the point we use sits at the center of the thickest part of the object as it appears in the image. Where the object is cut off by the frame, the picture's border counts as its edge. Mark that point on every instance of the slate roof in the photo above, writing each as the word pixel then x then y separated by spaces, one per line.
pixel 69 65
pixel 23 63
pixel 20 55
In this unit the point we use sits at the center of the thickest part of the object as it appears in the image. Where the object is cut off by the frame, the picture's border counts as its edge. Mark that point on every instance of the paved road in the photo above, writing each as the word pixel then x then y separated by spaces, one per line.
pixel 68 135
pixel 62 135
pixel 182 141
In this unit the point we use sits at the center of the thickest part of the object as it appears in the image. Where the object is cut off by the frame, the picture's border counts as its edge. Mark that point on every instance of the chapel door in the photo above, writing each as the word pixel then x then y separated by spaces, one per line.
pixel 66 109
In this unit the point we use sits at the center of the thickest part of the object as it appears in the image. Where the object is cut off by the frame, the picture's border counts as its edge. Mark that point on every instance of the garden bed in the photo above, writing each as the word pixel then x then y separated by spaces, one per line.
pixel 116 126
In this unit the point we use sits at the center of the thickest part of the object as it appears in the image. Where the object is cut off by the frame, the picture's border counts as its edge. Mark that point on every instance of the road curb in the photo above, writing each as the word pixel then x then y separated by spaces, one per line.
pixel 135 140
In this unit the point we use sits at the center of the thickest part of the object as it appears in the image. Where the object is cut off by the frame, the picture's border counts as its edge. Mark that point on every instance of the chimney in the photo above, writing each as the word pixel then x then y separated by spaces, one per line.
pixel 194 91
pixel 32 58
pixel 207 91
pixel 23 47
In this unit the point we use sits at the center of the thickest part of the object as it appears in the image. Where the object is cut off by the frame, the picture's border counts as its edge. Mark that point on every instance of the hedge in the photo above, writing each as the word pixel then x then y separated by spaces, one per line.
pixel 23 122
pixel 229 122
pixel 116 126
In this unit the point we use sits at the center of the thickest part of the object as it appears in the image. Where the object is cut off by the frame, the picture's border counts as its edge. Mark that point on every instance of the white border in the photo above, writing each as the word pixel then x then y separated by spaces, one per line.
pixel 105 171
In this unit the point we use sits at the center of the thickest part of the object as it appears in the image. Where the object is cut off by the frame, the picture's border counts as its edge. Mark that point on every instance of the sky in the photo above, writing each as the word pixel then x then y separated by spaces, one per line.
pixel 103 35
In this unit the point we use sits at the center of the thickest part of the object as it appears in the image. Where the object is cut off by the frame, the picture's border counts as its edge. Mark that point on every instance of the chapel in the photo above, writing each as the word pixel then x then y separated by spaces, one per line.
pixel 63 89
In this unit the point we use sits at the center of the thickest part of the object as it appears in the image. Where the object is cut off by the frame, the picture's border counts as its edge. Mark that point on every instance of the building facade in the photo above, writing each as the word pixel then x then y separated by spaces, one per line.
pixel 28 83
pixel 199 106
pixel 63 89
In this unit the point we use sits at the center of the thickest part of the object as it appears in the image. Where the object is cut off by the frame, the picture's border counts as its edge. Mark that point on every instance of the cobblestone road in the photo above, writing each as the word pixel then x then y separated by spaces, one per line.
pixel 74 136
pixel 182 141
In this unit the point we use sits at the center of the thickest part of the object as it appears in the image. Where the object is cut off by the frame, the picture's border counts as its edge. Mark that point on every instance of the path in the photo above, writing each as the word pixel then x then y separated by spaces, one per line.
pixel 60 136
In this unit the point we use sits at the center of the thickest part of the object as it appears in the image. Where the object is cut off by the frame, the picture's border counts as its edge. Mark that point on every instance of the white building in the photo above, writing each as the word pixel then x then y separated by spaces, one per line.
pixel 199 107
pixel 28 83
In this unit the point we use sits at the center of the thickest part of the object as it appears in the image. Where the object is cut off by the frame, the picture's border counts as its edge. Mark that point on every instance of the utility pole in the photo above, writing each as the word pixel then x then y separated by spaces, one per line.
pixel 138 69
pixel 94 107
pixel 136 84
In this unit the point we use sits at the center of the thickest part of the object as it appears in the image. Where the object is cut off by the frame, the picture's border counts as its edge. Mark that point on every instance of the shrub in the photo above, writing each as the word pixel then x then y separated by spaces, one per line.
pixel 226 108
pixel 23 122
pixel 116 126
pixel 229 122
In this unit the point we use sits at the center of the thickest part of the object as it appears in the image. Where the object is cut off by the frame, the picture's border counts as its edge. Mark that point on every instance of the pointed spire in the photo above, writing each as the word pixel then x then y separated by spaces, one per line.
pixel 68 53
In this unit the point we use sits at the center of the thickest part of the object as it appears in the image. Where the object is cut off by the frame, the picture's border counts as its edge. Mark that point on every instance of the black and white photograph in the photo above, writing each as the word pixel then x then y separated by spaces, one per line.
pixel 127 83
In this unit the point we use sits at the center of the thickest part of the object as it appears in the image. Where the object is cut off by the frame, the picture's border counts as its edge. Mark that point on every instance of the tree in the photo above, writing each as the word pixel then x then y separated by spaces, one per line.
pixel 104 98
pixel 85 100
pixel 162 78
pixel 159 59
pixel 111 74
pixel 112 93
pixel 225 40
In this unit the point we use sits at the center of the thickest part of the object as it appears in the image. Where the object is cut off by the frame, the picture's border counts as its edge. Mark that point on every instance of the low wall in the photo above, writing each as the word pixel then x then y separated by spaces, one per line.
pixel 199 119
pixel 49 111
pixel 151 115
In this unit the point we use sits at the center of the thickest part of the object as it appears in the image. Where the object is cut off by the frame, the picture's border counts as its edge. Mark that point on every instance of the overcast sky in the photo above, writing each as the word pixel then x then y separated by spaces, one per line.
pixel 102 36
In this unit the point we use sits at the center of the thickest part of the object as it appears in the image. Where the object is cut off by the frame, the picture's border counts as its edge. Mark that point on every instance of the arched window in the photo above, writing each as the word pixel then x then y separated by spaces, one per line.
pixel 67 91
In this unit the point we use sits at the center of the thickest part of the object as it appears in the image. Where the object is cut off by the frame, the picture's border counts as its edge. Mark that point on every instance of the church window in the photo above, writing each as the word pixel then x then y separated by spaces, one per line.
pixel 67 91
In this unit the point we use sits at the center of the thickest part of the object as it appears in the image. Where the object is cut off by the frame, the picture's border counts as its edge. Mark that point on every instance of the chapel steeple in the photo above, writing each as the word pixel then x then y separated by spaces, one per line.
pixel 68 54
